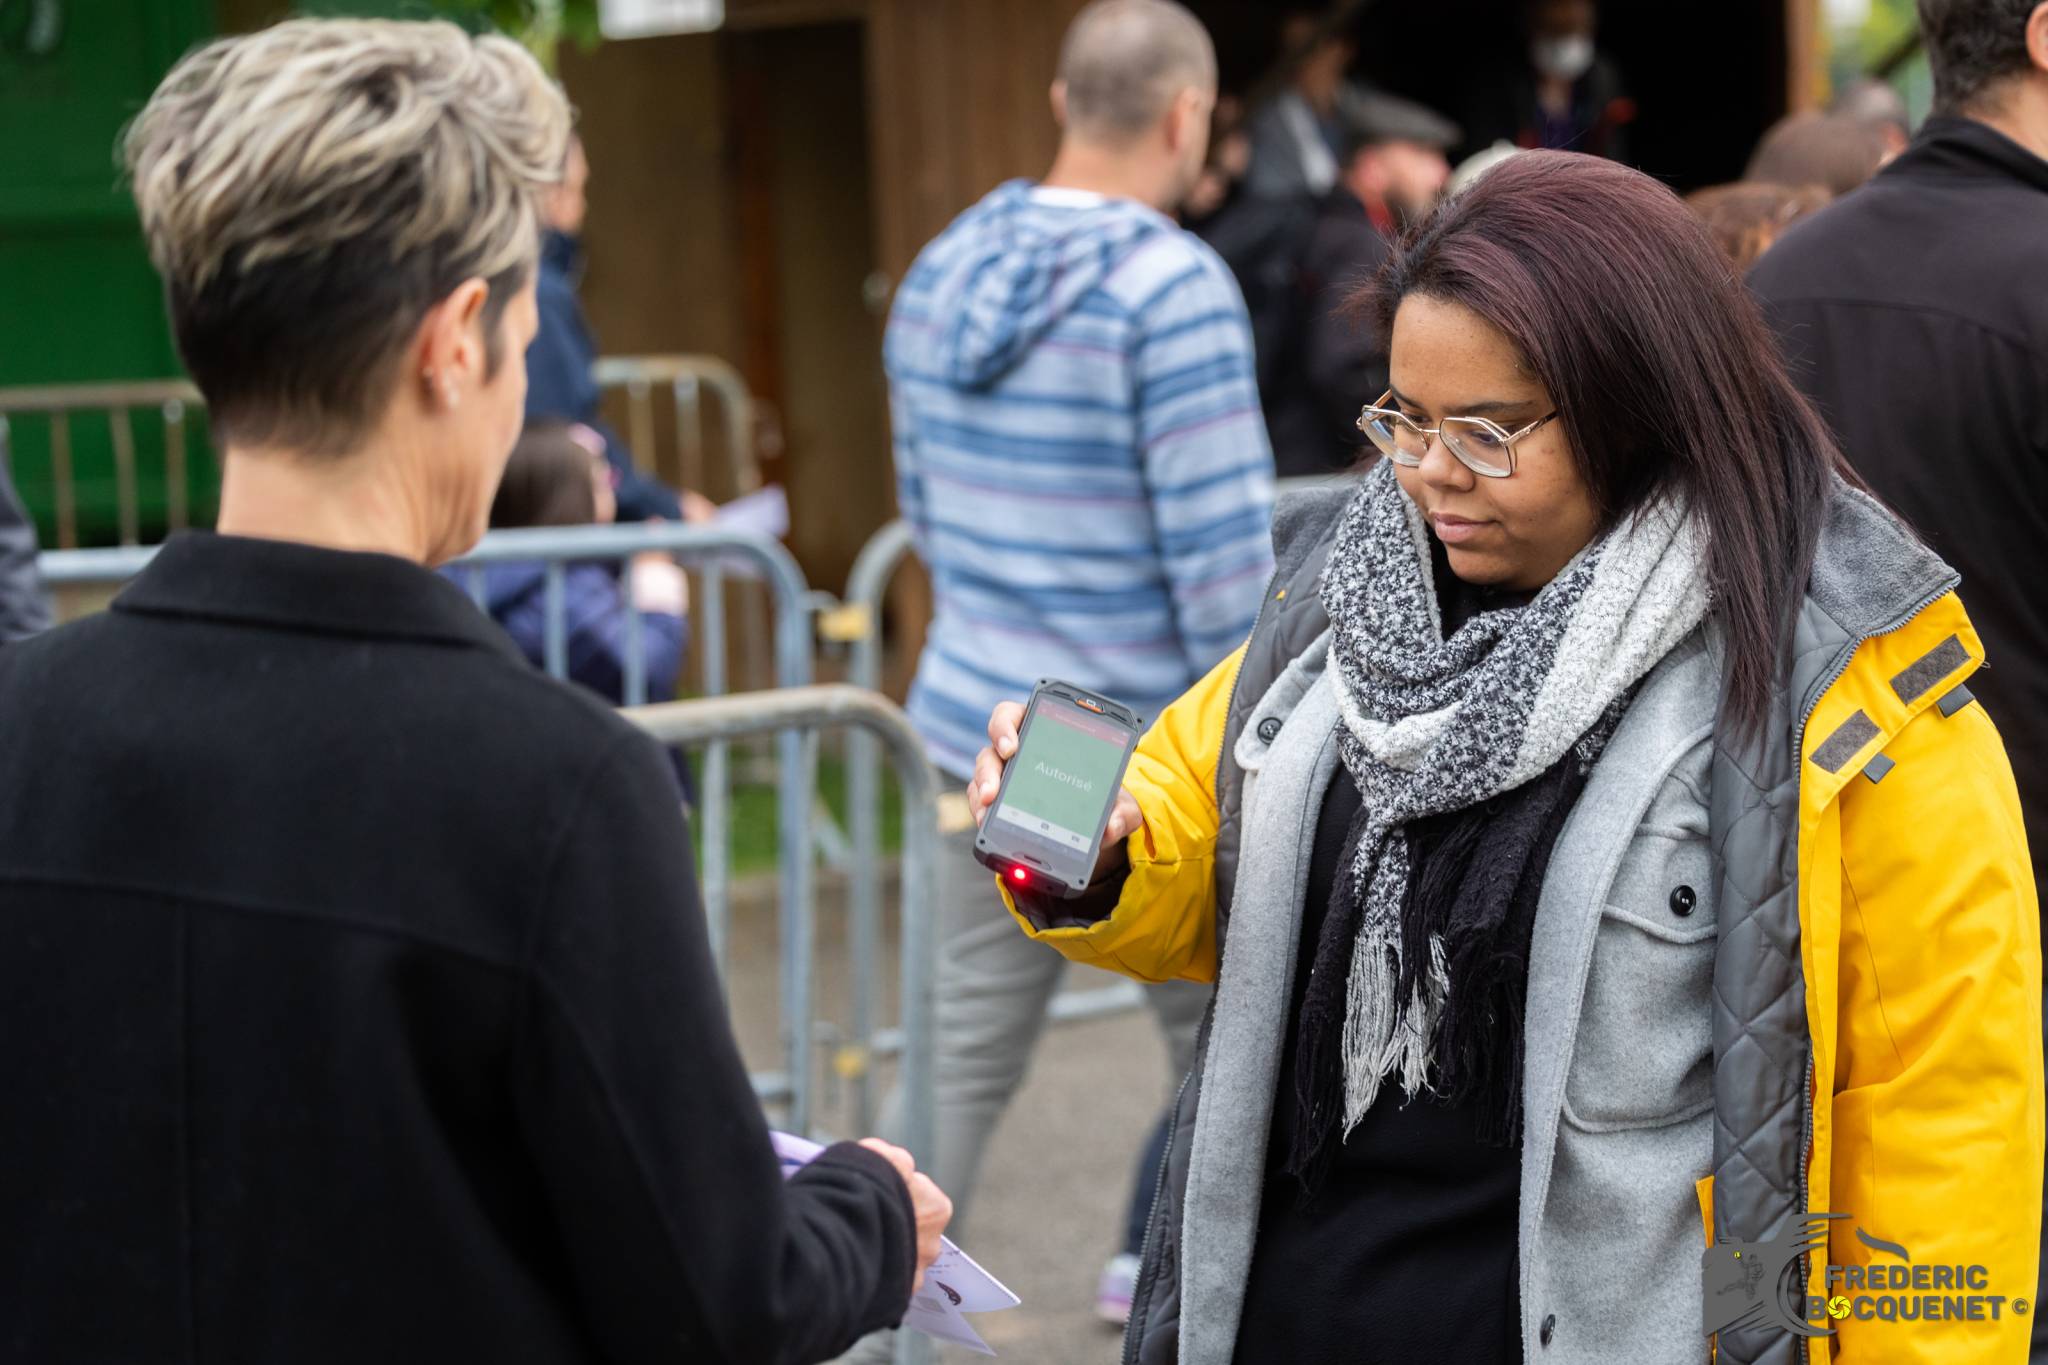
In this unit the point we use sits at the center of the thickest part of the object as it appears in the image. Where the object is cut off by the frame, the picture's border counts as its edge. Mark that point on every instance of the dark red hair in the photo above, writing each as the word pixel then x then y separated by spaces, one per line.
pixel 1660 365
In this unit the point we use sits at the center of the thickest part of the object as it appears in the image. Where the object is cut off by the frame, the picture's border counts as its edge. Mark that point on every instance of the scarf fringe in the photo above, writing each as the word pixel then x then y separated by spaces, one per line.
pixel 1378 1041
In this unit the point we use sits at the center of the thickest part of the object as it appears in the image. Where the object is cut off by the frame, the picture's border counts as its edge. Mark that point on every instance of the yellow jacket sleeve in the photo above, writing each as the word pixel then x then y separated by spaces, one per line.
pixel 1164 924
pixel 1937 1108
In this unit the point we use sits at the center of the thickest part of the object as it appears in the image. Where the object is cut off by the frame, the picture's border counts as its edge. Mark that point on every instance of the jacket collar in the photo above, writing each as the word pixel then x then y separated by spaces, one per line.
pixel 1870 573
pixel 283 585
pixel 1951 147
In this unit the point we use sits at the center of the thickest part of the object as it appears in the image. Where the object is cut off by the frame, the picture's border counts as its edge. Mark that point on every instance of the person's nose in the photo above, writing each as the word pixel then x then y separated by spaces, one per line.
pixel 1441 469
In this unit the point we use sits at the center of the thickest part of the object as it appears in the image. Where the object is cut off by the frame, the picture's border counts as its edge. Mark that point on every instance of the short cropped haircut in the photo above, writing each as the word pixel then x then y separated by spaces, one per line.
pixel 1972 45
pixel 309 191
pixel 1124 61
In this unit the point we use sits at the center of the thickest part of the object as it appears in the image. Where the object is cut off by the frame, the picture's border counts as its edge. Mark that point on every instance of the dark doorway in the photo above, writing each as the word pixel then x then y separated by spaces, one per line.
pixel 1707 76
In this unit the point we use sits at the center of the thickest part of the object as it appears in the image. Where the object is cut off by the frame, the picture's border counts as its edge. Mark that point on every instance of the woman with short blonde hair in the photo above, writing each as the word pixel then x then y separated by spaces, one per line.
pixel 351 970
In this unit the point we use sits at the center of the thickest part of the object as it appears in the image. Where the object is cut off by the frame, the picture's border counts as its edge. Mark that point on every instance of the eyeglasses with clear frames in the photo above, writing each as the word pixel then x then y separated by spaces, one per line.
pixel 1484 447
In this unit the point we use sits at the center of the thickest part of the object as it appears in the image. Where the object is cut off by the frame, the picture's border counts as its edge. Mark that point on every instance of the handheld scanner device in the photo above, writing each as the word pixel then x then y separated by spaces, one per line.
pixel 1044 832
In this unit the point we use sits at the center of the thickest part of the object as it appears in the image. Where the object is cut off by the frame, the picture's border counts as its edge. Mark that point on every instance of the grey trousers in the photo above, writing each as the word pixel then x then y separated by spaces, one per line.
pixel 993 987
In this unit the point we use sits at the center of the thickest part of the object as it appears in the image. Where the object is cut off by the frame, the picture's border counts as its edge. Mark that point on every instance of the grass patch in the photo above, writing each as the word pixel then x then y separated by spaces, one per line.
pixel 754 807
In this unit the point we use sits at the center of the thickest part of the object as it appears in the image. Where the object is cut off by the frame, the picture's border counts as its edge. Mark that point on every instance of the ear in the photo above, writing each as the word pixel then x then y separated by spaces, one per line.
pixel 450 346
pixel 2037 36
pixel 1059 103
pixel 1182 117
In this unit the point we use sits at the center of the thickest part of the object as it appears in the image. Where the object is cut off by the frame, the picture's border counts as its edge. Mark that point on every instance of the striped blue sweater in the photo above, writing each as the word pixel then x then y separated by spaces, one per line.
pixel 1079 449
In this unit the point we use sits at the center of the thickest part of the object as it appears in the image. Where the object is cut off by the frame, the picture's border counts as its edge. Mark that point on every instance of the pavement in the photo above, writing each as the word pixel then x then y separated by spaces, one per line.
pixel 1057 1178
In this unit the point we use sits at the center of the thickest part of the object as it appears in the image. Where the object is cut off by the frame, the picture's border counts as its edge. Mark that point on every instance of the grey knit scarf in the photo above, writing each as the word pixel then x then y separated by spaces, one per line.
pixel 1433 725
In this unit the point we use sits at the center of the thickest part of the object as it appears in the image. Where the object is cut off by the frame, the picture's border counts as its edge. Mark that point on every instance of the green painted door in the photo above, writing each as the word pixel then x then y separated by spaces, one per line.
pixel 78 301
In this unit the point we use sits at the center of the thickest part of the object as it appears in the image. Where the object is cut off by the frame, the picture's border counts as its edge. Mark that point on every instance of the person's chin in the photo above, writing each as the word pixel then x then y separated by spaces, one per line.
pixel 1477 565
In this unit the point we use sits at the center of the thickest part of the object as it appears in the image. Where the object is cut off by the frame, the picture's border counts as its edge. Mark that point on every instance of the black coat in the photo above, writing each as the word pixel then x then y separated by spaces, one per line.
pixel 1338 361
pixel 1915 313
pixel 355 1005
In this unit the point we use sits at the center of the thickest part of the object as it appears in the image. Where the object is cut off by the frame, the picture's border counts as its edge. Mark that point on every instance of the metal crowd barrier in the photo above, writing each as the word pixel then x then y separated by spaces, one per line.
pixel 687 377
pixel 857 623
pixel 878 721
pixel 173 400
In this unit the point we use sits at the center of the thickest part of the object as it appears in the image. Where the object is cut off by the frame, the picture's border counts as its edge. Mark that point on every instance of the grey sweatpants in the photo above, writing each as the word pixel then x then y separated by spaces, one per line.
pixel 993 988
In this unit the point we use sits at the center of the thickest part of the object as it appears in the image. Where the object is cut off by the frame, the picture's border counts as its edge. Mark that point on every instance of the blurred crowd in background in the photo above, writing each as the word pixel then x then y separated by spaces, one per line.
pixel 1310 178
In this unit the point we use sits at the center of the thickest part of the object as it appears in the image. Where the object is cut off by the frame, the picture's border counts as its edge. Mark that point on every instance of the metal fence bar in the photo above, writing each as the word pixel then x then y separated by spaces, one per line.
pixel 61 475
pixel 94 566
pixel 686 393
pixel 177 494
pixel 717 769
pixel 555 638
pixel 723 719
pixel 127 504
pixel 636 648
pixel 861 618
pixel 55 398
pixel 798 758
pixel 736 406
pixel 640 421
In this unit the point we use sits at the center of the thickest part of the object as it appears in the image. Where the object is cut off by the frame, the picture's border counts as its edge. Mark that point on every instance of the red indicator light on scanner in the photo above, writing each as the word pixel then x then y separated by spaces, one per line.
pixel 1019 875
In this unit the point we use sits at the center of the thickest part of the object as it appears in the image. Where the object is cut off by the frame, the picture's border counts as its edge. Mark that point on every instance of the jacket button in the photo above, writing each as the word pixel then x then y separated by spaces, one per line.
pixel 1548 1329
pixel 1683 900
pixel 1269 729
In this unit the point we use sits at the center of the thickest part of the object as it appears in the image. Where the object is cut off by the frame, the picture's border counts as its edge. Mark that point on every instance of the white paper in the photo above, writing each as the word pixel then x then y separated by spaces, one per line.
pixel 763 512
pixel 954 1285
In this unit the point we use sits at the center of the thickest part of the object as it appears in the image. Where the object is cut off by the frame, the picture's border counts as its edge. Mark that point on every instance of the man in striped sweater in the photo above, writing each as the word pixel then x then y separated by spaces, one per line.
pixel 1080 450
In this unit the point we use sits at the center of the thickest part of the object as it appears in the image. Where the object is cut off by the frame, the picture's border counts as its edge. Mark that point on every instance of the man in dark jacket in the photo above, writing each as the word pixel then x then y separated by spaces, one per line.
pixel 1336 362
pixel 24 609
pixel 561 379
pixel 1914 313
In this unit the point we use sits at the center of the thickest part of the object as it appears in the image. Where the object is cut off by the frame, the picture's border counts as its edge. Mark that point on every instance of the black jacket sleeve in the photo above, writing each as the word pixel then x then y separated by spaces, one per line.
pixel 1344 353
pixel 24 610
pixel 684 1242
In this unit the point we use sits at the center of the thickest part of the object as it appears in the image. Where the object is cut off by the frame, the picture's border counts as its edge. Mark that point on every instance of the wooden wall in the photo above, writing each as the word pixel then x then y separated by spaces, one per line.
pixel 957 104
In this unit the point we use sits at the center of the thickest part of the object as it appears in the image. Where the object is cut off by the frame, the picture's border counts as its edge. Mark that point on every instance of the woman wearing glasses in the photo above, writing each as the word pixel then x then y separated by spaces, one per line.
pixel 1596 849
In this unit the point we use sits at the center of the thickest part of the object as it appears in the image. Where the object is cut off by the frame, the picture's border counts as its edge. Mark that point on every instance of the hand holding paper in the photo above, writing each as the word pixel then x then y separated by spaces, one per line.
pixel 951 1284
pixel 929 1204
